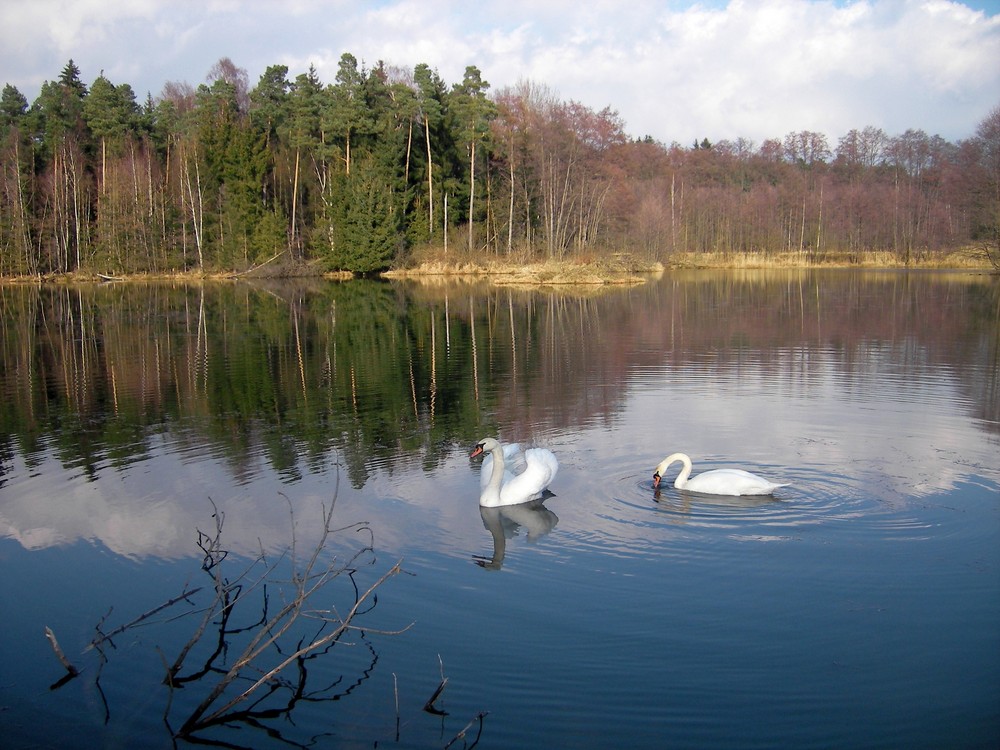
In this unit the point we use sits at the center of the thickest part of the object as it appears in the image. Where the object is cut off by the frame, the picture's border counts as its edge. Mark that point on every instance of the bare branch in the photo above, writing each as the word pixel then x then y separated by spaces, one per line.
pixel 59 652
pixel 71 671
pixel 194 721
pixel 461 735
pixel 102 637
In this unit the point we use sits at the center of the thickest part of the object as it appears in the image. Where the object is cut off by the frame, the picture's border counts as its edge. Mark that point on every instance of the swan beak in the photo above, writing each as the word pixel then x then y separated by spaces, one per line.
pixel 656 479
pixel 476 451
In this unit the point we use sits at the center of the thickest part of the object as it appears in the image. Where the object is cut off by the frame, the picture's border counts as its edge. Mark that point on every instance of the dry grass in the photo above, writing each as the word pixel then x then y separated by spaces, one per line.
pixel 434 265
pixel 962 258
pixel 520 270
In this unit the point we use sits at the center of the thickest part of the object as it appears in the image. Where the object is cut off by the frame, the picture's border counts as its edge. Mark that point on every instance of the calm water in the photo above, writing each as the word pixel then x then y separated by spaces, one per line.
pixel 859 607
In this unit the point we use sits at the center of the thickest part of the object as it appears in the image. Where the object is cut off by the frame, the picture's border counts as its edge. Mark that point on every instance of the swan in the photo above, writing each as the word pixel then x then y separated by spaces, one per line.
pixel 717 481
pixel 510 476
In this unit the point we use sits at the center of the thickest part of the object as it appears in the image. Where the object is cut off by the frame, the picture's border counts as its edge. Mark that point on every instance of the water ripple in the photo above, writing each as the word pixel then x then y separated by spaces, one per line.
pixel 638 520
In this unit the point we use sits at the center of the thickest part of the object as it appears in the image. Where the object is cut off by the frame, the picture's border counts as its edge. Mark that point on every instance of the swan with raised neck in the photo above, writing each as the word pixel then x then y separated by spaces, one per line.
pixel 510 476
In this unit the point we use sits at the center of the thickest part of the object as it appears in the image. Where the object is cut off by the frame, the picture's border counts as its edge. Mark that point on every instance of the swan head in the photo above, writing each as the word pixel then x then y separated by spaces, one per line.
pixel 664 464
pixel 658 473
pixel 486 445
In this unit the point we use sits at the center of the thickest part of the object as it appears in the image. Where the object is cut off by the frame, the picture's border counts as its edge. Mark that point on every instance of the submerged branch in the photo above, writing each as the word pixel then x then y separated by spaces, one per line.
pixel 196 720
pixel 429 706
pixel 246 687
pixel 71 671
pixel 461 735
pixel 103 637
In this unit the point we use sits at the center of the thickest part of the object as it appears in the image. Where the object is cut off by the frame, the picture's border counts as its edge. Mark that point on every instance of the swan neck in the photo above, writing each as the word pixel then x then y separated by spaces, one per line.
pixel 490 495
pixel 682 478
pixel 496 477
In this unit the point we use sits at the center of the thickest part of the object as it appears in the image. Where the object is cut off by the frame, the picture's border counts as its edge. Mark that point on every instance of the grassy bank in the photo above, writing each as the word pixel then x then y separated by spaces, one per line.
pixel 511 270
pixel 523 270
pixel 623 268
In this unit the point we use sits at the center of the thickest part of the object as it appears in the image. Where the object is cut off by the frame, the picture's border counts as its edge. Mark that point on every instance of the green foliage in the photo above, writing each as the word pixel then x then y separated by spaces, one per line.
pixel 366 221
pixel 268 237
pixel 111 111
pixel 13 107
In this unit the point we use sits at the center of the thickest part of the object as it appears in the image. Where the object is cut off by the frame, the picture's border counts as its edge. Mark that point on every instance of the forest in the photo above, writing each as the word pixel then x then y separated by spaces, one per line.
pixel 362 173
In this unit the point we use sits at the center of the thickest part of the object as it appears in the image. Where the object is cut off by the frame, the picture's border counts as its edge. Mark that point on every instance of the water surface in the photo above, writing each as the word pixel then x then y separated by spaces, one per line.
pixel 858 607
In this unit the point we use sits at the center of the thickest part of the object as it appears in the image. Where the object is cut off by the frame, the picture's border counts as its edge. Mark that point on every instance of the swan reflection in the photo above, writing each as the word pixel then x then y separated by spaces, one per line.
pixel 503 523
pixel 685 503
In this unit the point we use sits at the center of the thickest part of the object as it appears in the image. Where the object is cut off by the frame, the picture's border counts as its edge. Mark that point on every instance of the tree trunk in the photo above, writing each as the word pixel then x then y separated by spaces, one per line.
pixel 295 201
pixel 472 188
pixel 510 222
pixel 430 179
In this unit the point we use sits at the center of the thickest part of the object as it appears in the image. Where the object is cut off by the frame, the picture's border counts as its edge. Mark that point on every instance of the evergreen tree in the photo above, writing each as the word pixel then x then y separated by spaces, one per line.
pixel 110 111
pixel 347 116
pixel 473 113
pixel 367 215
pixel 430 99
pixel 269 101
pixel 305 135
pixel 13 108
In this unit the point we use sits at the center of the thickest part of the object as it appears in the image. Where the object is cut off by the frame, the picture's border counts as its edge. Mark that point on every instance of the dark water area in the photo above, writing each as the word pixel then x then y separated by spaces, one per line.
pixel 168 449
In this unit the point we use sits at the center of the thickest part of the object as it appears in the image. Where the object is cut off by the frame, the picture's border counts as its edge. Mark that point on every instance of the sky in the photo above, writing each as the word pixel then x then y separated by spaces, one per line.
pixel 676 70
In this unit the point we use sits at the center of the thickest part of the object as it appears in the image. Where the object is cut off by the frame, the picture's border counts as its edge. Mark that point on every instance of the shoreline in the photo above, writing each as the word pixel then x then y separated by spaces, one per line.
pixel 620 269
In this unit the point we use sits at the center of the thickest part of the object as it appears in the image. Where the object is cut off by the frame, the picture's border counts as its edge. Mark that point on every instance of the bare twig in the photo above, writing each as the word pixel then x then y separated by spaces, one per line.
pixel 259 265
pixel 461 735
pixel 395 691
pixel 59 652
pixel 429 706
pixel 102 637
pixel 243 688
pixel 71 671
pixel 251 653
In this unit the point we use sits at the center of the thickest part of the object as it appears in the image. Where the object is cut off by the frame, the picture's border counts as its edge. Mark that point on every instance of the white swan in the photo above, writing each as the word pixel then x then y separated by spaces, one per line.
pixel 717 481
pixel 510 476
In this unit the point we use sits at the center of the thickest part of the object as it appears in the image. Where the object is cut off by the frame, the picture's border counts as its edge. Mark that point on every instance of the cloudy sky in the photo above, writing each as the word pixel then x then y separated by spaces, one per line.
pixel 674 69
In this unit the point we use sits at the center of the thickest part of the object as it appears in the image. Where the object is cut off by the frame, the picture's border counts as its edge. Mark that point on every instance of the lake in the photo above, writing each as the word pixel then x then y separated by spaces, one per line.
pixel 247 515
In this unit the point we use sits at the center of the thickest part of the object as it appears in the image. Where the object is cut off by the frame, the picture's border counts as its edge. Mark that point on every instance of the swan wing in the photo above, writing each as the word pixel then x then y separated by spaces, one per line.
pixel 513 458
pixel 731 482
pixel 539 471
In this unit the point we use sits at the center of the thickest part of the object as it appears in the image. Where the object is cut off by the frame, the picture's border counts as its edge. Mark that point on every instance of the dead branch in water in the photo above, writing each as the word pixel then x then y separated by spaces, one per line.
pixel 461 735
pixel 266 638
pixel 429 706
pixel 276 626
pixel 71 671
pixel 250 676
pixel 102 637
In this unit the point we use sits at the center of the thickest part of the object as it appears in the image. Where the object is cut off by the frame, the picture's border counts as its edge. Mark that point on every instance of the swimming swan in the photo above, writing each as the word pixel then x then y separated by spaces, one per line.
pixel 510 476
pixel 715 482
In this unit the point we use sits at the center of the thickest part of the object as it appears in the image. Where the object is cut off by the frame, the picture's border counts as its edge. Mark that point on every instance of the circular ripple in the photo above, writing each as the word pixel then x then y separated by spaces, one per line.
pixel 814 497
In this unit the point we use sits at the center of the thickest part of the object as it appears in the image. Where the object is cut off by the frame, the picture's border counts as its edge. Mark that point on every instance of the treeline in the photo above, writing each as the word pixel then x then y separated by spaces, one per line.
pixel 356 174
